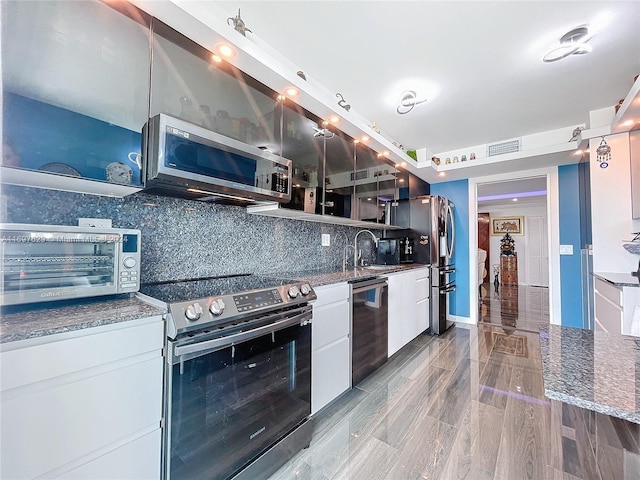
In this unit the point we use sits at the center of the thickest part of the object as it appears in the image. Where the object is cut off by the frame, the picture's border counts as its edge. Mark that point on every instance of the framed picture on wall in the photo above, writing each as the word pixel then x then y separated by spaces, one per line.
pixel 510 225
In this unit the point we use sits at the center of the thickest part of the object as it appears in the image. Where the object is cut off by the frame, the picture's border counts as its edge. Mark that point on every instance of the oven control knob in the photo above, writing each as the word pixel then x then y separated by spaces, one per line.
pixel 129 262
pixel 217 307
pixel 193 312
pixel 305 289
pixel 294 291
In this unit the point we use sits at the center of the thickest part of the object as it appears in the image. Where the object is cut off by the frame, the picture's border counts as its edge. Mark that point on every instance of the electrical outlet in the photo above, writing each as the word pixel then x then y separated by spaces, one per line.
pixel 326 240
pixel 566 249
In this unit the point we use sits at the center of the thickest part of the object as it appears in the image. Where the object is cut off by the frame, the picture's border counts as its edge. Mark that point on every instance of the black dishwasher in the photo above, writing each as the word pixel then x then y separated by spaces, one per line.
pixel 369 327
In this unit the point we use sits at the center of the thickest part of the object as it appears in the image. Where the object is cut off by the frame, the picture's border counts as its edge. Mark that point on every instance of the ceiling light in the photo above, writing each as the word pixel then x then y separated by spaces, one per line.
pixel 225 50
pixel 571 43
pixel 369 199
pixel 216 58
pixel 365 138
pixel 403 164
pixel 401 180
pixel 514 199
pixel 356 141
pixel 578 153
pixel 386 153
pixel 441 174
pixel 628 123
pixel 292 91
pixel 408 100
pixel 334 119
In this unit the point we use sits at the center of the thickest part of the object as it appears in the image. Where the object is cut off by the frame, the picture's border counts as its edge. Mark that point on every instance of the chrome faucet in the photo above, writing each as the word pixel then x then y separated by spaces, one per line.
pixel 358 254
pixel 344 257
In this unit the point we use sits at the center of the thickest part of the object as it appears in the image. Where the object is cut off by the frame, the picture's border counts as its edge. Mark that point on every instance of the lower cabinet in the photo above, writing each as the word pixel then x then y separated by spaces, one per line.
pixel 84 404
pixel 614 306
pixel 331 345
pixel 408 306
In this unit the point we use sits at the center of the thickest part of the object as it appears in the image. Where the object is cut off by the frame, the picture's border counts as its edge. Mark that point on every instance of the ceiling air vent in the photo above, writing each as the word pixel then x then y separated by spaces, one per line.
pixel 501 148
pixel 359 175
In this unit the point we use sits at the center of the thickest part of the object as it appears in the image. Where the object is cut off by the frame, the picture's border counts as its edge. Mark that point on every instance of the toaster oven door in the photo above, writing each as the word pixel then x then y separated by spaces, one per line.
pixel 40 267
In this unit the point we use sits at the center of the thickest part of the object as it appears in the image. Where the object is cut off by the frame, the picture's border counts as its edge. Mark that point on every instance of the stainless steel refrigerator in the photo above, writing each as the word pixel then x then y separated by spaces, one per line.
pixel 431 218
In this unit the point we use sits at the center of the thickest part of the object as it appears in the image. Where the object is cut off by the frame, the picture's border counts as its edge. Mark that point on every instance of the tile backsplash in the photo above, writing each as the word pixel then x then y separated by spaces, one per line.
pixel 190 239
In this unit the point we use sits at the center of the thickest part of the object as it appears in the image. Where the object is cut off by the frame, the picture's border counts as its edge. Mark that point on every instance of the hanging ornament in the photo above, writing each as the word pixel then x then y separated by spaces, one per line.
pixel 604 154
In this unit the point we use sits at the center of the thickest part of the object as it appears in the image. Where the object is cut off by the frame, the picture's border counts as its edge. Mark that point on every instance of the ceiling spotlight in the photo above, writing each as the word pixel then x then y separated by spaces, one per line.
pixel 514 199
pixel 292 91
pixel 225 50
pixel 334 119
pixel 441 174
pixel 571 43
pixel 578 153
pixel 365 138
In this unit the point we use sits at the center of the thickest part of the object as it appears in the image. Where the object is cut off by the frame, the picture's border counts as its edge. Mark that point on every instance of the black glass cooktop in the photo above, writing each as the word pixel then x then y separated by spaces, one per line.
pixel 185 290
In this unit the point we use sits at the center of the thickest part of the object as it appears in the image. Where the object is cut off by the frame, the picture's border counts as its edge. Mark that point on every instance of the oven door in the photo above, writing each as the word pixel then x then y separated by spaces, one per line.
pixel 229 399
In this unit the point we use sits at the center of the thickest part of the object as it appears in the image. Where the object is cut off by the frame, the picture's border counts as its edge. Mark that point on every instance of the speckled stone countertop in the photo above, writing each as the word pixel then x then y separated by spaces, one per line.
pixel 321 277
pixel 593 370
pixel 50 319
pixel 618 279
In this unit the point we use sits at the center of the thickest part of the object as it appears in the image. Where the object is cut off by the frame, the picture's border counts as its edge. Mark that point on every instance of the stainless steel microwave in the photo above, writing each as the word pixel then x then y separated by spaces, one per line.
pixel 183 159
pixel 41 263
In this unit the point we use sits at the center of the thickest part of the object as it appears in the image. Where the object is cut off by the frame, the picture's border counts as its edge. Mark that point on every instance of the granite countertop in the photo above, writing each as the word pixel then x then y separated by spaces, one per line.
pixel 618 279
pixel 52 318
pixel 593 370
pixel 321 277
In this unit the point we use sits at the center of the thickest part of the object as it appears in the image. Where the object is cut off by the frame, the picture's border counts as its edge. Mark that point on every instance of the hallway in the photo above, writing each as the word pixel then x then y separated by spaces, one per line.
pixel 467 405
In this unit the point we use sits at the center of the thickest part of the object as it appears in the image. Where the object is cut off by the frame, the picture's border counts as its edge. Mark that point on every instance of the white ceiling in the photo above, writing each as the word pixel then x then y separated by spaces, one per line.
pixel 482 61
pixel 528 191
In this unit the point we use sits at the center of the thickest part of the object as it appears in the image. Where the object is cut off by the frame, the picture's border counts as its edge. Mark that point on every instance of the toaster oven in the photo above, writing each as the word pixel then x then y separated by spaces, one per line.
pixel 41 263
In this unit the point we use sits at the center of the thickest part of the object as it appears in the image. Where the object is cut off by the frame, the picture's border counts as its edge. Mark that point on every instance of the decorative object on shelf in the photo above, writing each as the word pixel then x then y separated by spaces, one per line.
pixel 455 159
pixel 186 108
pixel 576 133
pixel 507 246
pixel 604 154
pixel 435 160
pixel 447 161
pixel 119 173
pixel 61 168
pixel 400 146
pixel 342 102
pixel 413 154
pixel 408 101
pixel 618 105
pixel 238 24
pixel 463 158
pixel 472 156
pixel 508 225
pixel 301 74
pixel 375 128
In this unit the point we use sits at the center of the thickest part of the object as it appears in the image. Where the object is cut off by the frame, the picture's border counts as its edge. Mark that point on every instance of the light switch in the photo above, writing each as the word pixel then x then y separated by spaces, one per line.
pixel 566 249
pixel 326 240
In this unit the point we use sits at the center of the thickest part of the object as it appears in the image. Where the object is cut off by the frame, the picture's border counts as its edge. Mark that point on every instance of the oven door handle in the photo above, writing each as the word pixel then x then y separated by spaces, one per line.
pixel 364 286
pixel 218 343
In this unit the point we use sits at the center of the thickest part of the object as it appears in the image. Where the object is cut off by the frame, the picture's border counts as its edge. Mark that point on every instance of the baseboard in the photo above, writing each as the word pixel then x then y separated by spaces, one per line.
pixel 459 319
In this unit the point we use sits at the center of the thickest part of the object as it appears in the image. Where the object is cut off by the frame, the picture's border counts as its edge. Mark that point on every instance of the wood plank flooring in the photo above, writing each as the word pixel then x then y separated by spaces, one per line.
pixel 469 404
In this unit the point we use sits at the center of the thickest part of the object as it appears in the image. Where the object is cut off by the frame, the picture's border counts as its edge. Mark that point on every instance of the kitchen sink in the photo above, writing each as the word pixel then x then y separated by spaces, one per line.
pixel 381 267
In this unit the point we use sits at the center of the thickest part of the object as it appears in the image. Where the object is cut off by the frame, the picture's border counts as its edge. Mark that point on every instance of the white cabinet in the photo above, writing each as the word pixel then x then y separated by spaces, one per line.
pixel 614 306
pixel 83 405
pixel 331 345
pixel 408 307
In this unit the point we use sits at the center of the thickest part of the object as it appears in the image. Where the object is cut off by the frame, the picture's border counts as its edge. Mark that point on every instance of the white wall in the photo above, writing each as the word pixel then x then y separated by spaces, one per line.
pixel 521 241
pixel 612 224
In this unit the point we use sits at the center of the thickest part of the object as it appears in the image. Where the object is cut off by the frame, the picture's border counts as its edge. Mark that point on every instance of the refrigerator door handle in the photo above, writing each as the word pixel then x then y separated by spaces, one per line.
pixel 450 241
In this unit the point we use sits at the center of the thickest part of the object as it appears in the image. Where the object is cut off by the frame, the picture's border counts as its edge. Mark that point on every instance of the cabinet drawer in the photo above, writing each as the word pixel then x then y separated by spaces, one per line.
pixel 608 291
pixel 422 289
pixel 34 364
pixel 45 429
pixel 139 459
pixel 608 315
pixel 330 323
pixel 331 293
pixel 330 373
pixel 422 273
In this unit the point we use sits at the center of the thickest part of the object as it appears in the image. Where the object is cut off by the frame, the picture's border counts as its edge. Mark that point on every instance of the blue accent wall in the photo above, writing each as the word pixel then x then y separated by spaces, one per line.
pixel 458 193
pixel 571 314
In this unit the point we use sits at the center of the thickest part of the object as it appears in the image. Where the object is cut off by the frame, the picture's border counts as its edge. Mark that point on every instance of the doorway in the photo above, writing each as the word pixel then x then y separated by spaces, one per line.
pixel 536 206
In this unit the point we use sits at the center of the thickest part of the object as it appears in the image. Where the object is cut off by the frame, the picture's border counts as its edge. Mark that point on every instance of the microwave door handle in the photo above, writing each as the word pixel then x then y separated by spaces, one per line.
pixel 218 343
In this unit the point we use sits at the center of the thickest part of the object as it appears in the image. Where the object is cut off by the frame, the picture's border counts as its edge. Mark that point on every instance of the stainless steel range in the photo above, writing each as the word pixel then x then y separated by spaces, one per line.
pixel 238 375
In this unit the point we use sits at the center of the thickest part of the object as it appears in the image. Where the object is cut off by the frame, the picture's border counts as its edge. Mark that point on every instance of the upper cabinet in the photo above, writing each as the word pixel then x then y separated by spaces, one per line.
pixel 188 84
pixel 75 94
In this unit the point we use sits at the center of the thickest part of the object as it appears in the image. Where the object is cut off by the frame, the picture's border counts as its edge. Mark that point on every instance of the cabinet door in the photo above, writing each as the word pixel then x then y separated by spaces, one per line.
pixel 409 307
pixel 330 371
pixel 422 300
pixel 395 313
pixel 75 79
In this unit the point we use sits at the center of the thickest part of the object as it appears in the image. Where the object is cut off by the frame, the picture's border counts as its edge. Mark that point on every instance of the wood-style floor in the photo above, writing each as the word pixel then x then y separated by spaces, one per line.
pixel 469 404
